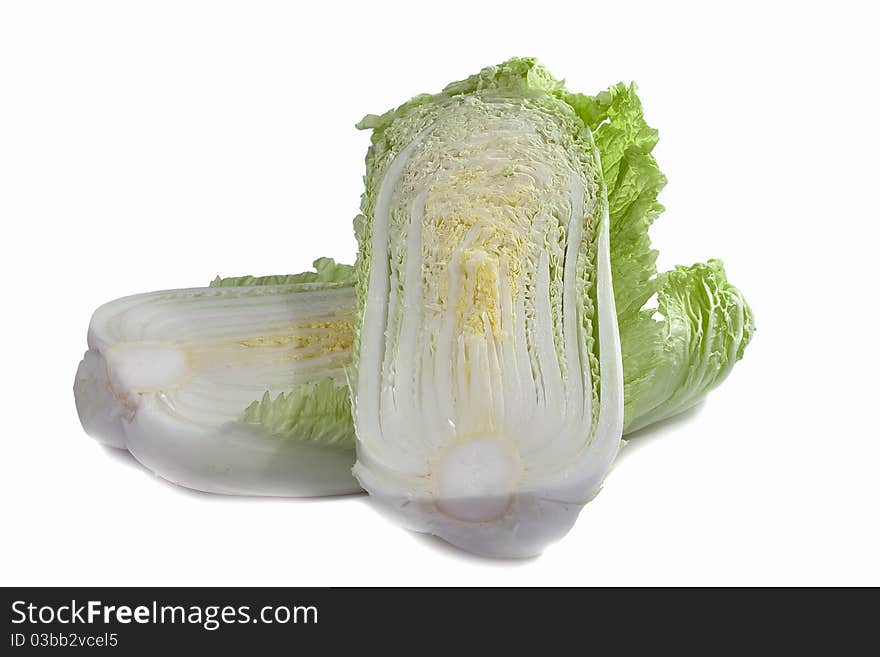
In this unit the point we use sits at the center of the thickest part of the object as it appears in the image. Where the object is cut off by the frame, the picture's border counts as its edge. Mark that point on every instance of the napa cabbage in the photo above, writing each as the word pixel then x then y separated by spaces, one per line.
pixel 490 212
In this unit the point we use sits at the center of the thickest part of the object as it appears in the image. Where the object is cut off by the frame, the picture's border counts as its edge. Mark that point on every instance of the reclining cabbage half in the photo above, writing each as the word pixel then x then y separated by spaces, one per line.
pixel 238 388
pixel 487 376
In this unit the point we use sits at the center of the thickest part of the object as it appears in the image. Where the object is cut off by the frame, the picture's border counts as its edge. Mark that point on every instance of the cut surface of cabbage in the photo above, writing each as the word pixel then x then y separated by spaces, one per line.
pixel 488 393
pixel 204 386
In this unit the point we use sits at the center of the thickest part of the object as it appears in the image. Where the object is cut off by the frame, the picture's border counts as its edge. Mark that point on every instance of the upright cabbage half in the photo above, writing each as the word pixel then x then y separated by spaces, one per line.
pixel 487 374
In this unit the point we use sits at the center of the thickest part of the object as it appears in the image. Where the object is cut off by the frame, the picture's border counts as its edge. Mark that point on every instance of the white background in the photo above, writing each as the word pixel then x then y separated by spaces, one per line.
pixel 153 145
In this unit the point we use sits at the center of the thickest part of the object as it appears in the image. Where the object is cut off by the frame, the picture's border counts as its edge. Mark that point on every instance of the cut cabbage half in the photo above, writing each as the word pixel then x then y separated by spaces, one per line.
pixel 488 386
pixel 229 389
